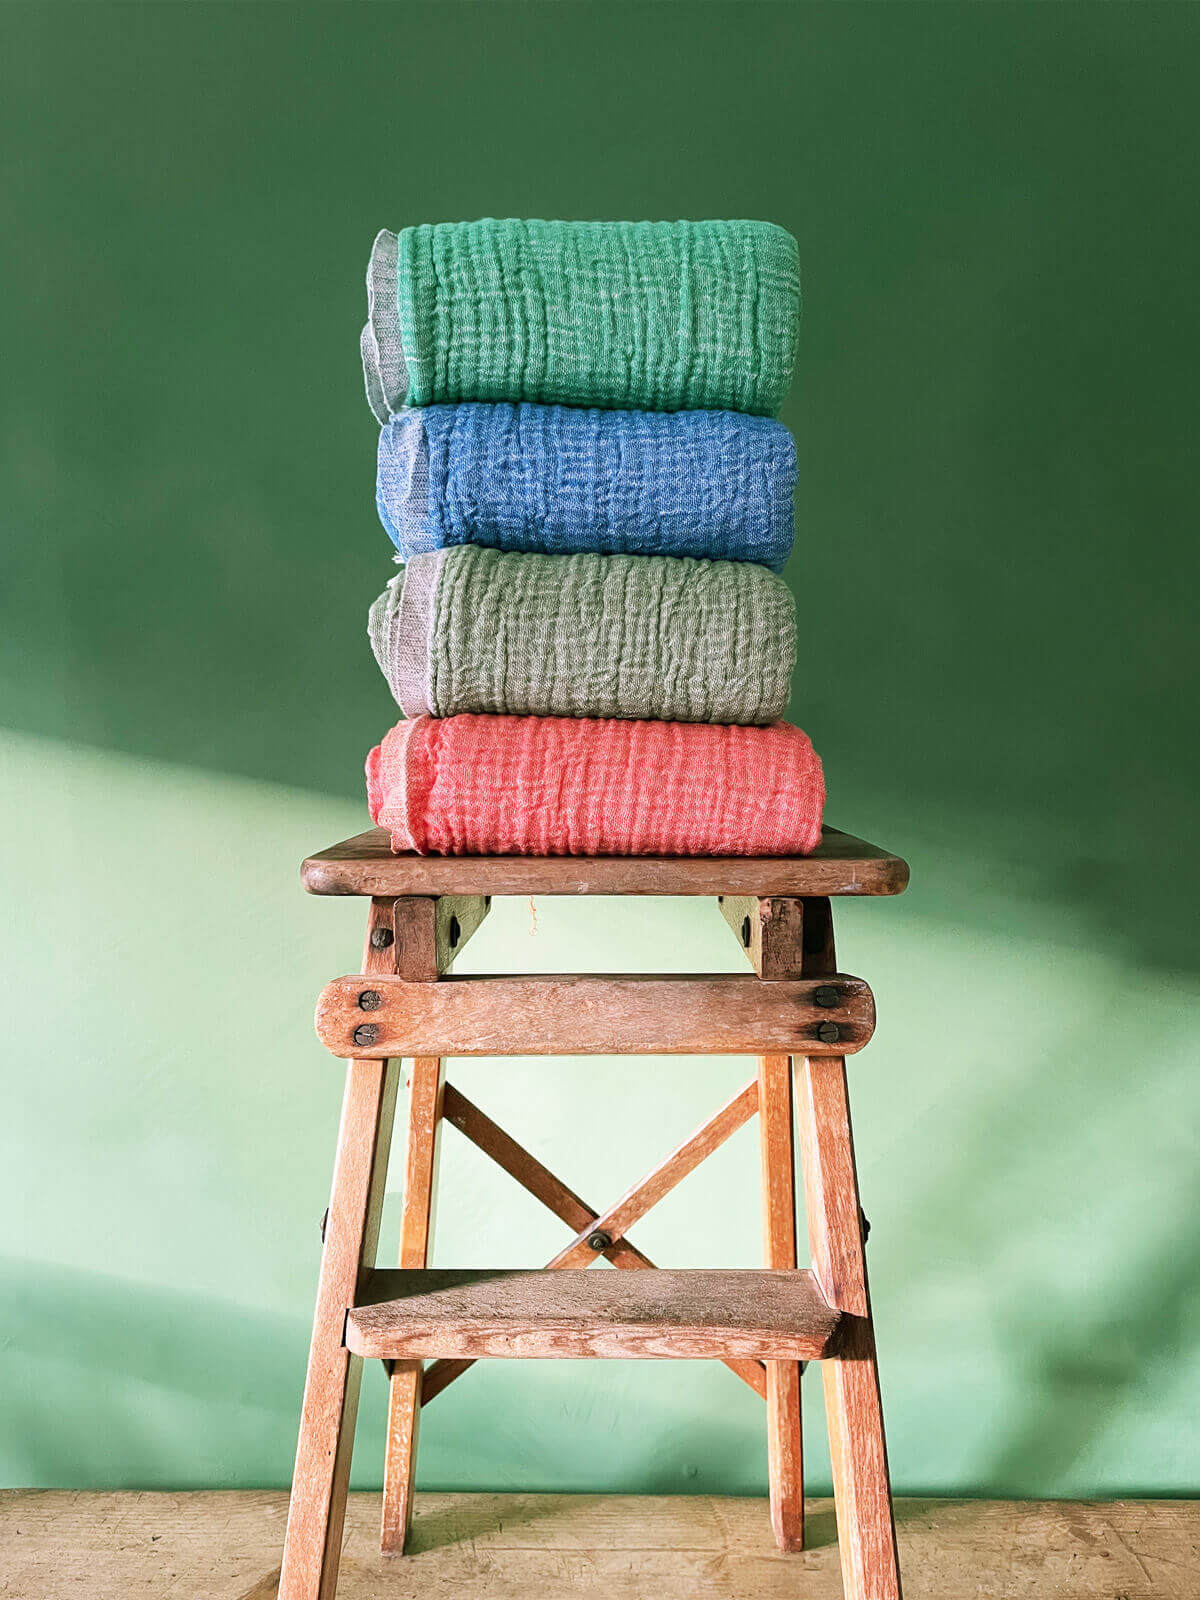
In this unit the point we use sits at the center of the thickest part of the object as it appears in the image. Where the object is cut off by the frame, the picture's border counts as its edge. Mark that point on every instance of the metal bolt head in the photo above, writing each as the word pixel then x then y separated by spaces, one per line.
pixel 826 995
pixel 370 1000
pixel 829 1033
pixel 599 1240
pixel 381 938
pixel 366 1033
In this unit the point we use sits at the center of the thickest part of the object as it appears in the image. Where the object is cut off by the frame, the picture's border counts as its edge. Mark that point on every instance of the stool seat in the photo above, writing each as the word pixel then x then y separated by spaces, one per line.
pixel 840 865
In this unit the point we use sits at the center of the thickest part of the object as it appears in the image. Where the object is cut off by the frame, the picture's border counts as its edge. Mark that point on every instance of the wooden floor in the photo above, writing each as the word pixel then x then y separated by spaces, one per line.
pixel 543 1547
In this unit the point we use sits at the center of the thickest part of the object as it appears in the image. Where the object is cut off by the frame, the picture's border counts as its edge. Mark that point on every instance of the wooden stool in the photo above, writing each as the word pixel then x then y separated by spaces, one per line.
pixel 797 1011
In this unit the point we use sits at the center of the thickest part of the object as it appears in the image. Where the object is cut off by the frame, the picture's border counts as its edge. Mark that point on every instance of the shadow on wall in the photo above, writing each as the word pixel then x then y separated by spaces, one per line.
pixel 1114 1330
pixel 1100 1357
pixel 1031 1159
pixel 134 1363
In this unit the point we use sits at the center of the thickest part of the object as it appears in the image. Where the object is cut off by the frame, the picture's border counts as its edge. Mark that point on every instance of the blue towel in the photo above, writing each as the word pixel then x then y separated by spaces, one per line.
pixel 557 480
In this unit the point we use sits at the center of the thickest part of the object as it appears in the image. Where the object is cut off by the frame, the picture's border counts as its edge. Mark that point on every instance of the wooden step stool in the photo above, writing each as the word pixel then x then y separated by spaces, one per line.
pixel 796 1011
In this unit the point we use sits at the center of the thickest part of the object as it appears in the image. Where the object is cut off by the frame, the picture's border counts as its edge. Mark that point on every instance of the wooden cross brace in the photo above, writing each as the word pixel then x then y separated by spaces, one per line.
pixel 596 1233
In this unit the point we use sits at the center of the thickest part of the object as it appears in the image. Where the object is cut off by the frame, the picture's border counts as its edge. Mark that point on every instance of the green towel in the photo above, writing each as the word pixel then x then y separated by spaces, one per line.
pixel 652 637
pixel 650 316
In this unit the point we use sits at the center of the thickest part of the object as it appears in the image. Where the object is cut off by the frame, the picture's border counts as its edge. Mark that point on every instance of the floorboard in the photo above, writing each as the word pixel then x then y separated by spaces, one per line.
pixel 225 1546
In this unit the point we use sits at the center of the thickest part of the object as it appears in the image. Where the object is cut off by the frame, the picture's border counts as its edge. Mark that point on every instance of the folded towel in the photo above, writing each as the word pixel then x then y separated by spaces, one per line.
pixel 562 786
pixel 557 479
pixel 649 316
pixel 472 629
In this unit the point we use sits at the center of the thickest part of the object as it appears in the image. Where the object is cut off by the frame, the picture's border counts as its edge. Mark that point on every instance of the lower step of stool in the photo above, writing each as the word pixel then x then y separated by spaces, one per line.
pixel 667 1315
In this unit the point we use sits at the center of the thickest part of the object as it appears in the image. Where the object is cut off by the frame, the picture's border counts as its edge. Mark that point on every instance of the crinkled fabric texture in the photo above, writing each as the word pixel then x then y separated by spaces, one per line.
pixel 472 629
pixel 646 316
pixel 553 786
pixel 555 480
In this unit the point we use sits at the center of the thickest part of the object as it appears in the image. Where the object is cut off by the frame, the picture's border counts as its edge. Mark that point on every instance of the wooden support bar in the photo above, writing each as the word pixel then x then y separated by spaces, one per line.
pixel 528 1171
pixel 322 1475
pixel 426 1089
pixel 440 1375
pixel 662 1315
pixel 685 1158
pixel 769 930
pixel 858 1452
pixel 568 1014
pixel 432 930
pixel 785 1448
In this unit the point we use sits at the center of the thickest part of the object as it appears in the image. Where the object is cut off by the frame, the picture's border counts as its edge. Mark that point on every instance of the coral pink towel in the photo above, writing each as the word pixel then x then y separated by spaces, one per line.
pixel 581 786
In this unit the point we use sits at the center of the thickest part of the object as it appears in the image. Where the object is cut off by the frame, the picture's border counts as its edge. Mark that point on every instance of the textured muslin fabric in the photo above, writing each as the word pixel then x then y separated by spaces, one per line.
pixel 554 480
pixel 666 637
pixel 553 786
pixel 650 316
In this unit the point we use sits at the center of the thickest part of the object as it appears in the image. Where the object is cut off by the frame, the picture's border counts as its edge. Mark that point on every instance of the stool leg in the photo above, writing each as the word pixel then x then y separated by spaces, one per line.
pixel 785 1451
pixel 862 1489
pixel 416 1229
pixel 318 1505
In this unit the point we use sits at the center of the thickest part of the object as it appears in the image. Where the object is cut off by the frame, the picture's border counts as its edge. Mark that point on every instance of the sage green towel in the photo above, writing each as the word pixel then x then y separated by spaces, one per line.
pixel 664 638
pixel 649 316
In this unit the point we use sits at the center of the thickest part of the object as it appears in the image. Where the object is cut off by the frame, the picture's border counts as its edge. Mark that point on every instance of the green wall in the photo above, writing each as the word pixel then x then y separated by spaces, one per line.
pixel 996 416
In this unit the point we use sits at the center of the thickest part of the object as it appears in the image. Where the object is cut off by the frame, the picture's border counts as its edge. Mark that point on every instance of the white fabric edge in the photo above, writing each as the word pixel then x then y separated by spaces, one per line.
pixel 400 627
pixel 385 372
pixel 402 483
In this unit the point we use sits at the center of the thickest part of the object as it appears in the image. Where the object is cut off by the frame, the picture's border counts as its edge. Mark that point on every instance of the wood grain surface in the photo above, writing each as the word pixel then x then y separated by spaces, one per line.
pixel 63 1545
pixel 330 1405
pixel 853 1407
pixel 582 1219
pixel 841 864
pixel 431 931
pixel 667 1315
pixel 785 1448
pixel 570 1014
pixel 769 930
pixel 427 1086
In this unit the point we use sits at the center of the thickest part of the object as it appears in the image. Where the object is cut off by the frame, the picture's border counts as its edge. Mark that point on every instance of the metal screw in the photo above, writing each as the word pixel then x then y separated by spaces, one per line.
pixel 599 1240
pixel 829 1033
pixel 455 932
pixel 381 938
pixel 366 1033
pixel 746 932
pixel 826 995
pixel 370 1000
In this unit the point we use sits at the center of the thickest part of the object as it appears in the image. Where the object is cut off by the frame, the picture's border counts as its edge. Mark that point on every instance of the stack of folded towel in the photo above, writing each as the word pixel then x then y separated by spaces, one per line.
pixel 580 471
